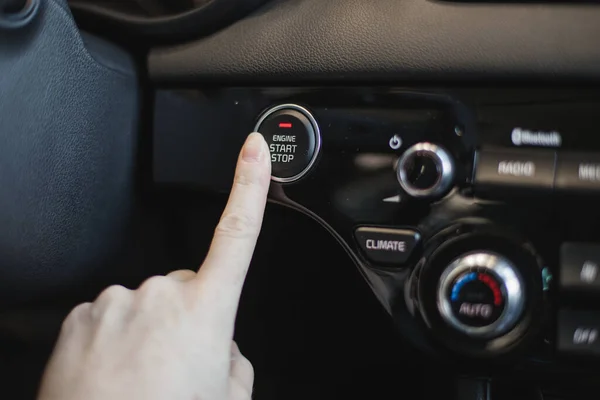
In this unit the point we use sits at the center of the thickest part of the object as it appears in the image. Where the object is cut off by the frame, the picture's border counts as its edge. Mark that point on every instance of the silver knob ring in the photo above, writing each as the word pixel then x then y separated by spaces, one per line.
pixel 444 165
pixel 512 287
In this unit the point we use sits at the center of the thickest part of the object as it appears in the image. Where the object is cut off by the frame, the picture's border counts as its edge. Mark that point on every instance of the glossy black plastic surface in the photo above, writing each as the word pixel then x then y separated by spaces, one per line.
pixel 354 183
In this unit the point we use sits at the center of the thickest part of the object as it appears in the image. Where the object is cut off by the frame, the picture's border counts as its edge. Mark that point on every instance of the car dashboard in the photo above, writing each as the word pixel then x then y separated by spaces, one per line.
pixel 433 208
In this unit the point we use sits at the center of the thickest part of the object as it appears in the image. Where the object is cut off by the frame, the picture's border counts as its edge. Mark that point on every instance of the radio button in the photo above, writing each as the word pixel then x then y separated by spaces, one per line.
pixel 386 245
pixel 518 169
pixel 578 172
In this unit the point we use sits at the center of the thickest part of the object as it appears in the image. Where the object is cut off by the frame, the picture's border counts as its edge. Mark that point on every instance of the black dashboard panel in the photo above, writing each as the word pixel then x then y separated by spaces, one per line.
pixel 471 212
pixel 498 267
pixel 390 40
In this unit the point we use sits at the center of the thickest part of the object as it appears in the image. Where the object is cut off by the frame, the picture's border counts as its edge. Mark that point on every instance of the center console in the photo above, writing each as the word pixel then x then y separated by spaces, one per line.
pixel 472 213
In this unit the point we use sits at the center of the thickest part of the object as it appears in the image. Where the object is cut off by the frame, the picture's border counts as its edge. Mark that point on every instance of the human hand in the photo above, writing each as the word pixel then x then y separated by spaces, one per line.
pixel 172 338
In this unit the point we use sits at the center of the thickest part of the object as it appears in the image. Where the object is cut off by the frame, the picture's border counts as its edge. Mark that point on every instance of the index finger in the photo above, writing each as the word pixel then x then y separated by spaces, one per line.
pixel 224 269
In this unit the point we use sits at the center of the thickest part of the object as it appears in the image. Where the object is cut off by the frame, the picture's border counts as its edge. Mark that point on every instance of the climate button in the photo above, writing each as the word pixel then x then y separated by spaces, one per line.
pixel 387 246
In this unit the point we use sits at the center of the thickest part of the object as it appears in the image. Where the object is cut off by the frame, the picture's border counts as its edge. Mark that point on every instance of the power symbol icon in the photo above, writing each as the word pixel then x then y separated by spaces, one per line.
pixel 395 142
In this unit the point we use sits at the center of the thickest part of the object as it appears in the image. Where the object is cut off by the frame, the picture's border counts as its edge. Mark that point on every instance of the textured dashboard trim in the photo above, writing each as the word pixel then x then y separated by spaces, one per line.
pixel 385 40
pixel 69 110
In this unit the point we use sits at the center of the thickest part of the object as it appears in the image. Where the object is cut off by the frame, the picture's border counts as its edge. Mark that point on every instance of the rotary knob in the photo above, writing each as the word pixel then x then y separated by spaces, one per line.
pixel 481 294
pixel 425 170
pixel 478 290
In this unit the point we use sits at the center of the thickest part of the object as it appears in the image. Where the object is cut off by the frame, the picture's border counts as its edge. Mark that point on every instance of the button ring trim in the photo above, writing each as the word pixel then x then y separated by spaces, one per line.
pixel 484 261
pixel 444 165
pixel 316 132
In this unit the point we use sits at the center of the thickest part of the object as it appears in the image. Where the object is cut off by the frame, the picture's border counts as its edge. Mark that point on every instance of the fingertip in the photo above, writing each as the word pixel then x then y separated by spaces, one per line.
pixel 255 148
pixel 235 350
pixel 254 165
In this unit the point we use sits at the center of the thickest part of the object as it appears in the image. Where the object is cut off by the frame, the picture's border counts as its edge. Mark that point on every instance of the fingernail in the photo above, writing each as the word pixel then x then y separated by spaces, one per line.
pixel 253 148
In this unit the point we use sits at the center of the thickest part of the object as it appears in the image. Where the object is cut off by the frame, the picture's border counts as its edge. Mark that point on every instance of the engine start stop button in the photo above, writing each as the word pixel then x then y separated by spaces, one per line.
pixel 294 141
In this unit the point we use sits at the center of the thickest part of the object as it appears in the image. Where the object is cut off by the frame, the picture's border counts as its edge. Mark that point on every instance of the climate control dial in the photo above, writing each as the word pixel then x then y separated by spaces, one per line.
pixel 478 289
pixel 481 294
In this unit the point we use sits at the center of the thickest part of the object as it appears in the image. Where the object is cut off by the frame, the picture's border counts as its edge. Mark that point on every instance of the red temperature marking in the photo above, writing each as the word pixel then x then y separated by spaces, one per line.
pixel 285 124
pixel 497 296
pixel 493 285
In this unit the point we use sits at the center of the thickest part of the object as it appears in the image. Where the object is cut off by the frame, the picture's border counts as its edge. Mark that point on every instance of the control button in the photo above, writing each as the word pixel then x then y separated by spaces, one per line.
pixel 481 294
pixel 580 268
pixel 294 141
pixel 579 332
pixel 425 170
pixel 395 142
pixel 385 245
pixel 578 172
pixel 524 169
pixel 477 298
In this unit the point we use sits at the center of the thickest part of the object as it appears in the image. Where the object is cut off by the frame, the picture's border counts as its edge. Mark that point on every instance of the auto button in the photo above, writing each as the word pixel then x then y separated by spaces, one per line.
pixel 387 245
pixel 481 294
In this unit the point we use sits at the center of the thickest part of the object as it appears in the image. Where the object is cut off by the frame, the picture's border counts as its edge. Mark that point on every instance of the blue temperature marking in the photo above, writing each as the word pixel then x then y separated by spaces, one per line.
pixel 460 283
